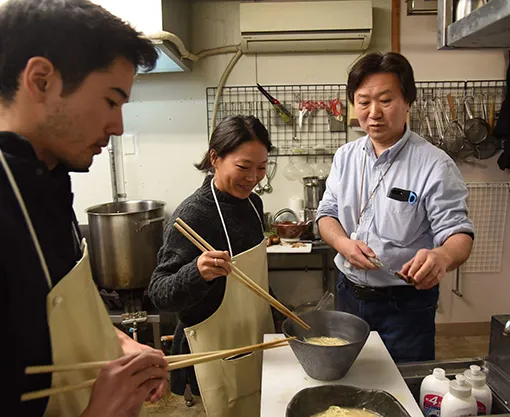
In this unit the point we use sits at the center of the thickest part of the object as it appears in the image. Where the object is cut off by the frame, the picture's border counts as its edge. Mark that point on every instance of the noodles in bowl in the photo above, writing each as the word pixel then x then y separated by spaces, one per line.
pixel 326 341
pixel 335 411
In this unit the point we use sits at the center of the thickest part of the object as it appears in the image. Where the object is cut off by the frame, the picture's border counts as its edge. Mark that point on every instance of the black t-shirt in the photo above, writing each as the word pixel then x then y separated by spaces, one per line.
pixel 23 286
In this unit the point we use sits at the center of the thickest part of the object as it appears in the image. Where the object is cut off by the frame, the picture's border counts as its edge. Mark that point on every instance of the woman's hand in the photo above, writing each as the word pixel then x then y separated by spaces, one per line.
pixel 214 264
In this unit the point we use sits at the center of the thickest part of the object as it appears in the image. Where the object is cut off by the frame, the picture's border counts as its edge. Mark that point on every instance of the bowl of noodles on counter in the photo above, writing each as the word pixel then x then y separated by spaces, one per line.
pixel 344 401
pixel 327 351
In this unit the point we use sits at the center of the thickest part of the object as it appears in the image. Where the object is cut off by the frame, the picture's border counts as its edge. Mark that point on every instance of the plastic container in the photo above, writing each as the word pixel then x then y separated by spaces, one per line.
pixel 433 388
pixel 459 401
pixel 481 391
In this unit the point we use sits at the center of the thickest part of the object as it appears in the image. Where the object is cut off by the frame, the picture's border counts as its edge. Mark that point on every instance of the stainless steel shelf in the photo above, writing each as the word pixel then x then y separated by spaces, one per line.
pixel 485 27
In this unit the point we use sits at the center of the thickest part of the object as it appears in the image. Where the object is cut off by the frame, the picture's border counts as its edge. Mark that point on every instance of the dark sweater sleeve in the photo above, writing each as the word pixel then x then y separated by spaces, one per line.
pixel 176 283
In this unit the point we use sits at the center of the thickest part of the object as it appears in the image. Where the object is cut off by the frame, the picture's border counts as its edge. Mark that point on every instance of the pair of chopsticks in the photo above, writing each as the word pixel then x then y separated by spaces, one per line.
pixel 175 362
pixel 201 244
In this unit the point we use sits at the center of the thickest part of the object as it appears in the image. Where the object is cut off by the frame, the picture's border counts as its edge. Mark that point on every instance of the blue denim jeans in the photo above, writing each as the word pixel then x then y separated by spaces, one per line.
pixel 406 324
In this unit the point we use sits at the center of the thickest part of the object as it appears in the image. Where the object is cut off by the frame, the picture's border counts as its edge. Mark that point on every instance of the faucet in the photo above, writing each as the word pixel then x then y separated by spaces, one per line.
pixel 506 330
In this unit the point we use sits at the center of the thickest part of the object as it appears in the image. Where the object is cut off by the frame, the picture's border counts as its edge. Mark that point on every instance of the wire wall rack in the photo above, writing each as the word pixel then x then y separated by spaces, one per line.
pixel 318 124
pixel 440 114
pixel 316 130
pixel 488 205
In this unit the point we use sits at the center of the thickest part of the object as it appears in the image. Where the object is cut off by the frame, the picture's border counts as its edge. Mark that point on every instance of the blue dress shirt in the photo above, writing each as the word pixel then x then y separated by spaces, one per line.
pixel 395 230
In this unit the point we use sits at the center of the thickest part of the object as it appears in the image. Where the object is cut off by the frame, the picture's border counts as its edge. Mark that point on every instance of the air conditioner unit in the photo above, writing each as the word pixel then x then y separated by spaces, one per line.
pixel 318 26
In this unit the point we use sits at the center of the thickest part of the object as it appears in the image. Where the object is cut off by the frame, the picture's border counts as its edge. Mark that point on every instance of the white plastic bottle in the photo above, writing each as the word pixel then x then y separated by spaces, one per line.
pixel 481 391
pixel 459 402
pixel 433 388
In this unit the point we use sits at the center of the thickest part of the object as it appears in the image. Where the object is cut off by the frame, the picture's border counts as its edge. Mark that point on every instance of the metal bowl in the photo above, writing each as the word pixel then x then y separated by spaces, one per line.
pixel 327 363
pixel 311 401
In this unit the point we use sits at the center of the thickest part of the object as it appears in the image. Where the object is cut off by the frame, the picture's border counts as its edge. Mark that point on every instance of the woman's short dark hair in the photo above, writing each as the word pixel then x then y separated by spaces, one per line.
pixel 232 132
pixel 378 62
pixel 77 36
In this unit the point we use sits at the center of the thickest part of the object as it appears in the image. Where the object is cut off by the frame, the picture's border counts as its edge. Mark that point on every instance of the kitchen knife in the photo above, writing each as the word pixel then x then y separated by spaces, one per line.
pixel 377 262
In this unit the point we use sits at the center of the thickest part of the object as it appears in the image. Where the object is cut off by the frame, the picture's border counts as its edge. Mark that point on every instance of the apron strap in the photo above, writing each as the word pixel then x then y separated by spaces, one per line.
pixel 24 210
pixel 223 221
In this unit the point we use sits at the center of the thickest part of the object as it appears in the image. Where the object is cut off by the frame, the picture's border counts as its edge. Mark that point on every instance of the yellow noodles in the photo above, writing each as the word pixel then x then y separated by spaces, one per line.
pixel 335 411
pixel 326 341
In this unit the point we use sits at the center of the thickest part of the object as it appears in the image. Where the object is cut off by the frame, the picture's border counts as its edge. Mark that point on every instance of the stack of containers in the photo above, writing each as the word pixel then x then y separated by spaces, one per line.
pixel 467 395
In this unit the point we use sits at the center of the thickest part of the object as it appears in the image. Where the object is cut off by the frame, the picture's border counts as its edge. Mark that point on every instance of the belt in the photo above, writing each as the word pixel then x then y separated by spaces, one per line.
pixel 366 293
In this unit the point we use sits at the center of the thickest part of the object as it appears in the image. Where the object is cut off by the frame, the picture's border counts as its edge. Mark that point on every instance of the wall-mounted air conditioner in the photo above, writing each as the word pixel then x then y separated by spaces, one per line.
pixel 320 26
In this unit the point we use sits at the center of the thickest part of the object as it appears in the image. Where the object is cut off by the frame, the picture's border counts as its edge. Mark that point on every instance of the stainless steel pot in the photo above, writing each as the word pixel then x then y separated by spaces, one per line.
pixel 314 188
pixel 311 215
pixel 125 237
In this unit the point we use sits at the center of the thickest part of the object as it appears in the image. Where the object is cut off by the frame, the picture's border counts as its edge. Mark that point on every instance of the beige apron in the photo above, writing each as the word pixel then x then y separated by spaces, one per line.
pixel 231 388
pixel 80 328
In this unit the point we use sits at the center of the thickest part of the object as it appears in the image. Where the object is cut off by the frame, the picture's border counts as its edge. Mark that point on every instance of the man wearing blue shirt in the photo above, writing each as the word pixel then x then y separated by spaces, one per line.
pixel 394 196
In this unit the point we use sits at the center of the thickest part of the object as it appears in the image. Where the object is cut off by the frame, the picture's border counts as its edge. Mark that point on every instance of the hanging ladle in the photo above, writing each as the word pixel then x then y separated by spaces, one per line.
pixel 270 172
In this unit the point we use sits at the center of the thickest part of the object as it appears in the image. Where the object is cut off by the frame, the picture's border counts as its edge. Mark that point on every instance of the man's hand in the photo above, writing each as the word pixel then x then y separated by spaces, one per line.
pixel 356 252
pixel 427 268
pixel 129 347
pixel 123 384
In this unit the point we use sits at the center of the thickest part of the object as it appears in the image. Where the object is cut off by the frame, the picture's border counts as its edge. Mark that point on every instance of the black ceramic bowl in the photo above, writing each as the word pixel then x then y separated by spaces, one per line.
pixel 310 401
pixel 327 363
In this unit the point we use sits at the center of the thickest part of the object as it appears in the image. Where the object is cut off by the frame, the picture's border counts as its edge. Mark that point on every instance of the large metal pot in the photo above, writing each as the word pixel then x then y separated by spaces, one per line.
pixel 125 237
pixel 313 188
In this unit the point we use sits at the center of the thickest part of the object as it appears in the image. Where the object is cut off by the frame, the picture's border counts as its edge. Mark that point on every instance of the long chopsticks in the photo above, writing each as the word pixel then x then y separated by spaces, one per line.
pixel 44 369
pixel 193 359
pixel 201 244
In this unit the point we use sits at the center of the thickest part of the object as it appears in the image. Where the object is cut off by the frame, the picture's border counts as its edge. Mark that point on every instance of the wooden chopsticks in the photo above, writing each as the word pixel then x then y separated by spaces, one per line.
pixel 201 244
pixel 189 360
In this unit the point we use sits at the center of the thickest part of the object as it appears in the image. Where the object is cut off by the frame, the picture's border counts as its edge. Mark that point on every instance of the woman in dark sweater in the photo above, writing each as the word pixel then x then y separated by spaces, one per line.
pixel 228 215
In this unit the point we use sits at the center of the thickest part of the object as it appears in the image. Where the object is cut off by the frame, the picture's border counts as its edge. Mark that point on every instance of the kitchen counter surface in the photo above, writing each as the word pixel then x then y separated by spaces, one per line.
pixel 283 376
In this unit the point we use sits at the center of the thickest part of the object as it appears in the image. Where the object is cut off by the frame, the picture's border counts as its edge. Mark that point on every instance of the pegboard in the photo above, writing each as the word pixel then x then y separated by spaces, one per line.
pixel 314 136
pixel 431 107
pixel 487 203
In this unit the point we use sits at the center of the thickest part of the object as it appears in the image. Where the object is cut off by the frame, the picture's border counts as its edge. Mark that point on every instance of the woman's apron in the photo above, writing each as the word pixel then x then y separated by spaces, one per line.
pixel 231 388
pixel 80 328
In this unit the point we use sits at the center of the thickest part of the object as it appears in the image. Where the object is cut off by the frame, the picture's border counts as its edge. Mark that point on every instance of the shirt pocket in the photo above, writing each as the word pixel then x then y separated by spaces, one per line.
pixel 400 222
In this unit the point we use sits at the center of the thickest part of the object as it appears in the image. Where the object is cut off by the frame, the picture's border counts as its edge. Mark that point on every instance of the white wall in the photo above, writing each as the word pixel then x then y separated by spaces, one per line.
pixel 167 113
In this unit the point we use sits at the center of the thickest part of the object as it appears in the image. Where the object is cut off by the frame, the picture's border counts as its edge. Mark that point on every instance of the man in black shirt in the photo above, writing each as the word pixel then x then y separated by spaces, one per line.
pixel 66 69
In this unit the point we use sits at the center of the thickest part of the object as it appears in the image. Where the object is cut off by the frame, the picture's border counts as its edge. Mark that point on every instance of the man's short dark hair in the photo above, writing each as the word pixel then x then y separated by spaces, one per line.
pixel 77 36
pixel 378 62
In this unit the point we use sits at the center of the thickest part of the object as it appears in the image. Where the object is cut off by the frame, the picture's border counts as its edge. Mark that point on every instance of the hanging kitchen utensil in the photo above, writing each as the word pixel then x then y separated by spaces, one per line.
pixel 290 172
pixel 490 146
pixel 453 141
pixel 336 119
pixel 429 136
pixel 453 133
pixel 282 111
pixel 259 189
pixel 475 128
pixel 270 173
pixel 438 117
